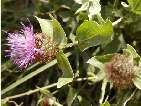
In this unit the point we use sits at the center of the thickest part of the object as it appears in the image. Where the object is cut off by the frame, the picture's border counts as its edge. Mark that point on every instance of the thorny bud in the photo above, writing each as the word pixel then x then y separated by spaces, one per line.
pixel 47 46
pixel 120 70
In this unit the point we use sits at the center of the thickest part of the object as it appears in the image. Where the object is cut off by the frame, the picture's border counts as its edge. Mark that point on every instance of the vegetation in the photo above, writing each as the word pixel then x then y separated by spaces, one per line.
pixel 79 53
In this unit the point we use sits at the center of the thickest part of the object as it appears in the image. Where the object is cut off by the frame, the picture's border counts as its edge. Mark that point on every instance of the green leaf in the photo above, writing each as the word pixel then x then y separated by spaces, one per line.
pixel 104 58
pixel 132 51
pixel 137 82
pixel 101 74
pixel 115 45
pixel 93 61
pixel 71 96
pixel 137 79
pixel 135 6
pixel 58 33
pixel 53 29
pixel 91 34
pixel 46 26
pixel 106 104
pixel 63 81
pixel 65 66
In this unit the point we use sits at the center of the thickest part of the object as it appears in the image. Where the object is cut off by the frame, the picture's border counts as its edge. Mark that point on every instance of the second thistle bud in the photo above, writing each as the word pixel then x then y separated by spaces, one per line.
pixel 120 70
pixel 47 46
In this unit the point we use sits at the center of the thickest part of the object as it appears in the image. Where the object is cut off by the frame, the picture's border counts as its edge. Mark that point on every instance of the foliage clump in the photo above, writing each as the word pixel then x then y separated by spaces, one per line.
pixel 71 53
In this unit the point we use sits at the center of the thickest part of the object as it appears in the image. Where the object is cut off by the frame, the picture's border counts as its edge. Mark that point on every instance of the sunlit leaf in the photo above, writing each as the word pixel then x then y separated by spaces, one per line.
pixel 53 29
pixel 65 66
pixel 106 104
pixel 93 61
pixel 46 26
pixel 101 74
pixel 91 34
pixel 135 6
pixel 58 33
pixel 133 53
pixel 137 81
pixel 104 58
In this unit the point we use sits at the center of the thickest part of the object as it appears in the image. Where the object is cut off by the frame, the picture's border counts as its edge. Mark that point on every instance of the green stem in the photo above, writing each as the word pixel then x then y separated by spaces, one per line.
pixel 71 44
pixel 100 19
pixel 117 21
pixel 32 74
pixel 83 79
pixel 115 4
pixel 103 88
pixel 38 89
pixel 30 92
pixel 130 97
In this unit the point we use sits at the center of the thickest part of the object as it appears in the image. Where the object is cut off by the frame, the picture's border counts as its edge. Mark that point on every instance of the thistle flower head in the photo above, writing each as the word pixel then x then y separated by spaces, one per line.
pixel 22 46
pixel 47 46
pixel 120 70
pixel 25 46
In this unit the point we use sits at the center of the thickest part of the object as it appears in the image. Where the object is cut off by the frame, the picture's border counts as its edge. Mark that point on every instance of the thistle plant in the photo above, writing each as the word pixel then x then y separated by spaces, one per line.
pixel 26 46
pixel 80 53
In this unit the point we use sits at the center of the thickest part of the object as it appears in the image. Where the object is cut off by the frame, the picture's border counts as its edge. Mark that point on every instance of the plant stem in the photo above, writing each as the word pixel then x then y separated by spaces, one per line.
pixel 32 74
pixel 130 97
pixel 117 21
pixel 115 4
pixel 38 89
pixel 71 44
pixel 100 19
pixel 103 88
pixel 30 92
pixel 83 79
pixel 15 103
pixel 32 66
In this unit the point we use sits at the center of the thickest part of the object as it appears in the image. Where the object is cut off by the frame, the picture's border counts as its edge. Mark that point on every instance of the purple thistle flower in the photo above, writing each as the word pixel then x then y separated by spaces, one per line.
pixel 22 47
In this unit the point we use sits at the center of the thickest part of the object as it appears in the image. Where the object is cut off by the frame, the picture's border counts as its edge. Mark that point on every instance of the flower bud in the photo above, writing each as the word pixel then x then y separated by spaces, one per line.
pixel 47 46
pixel 120 70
